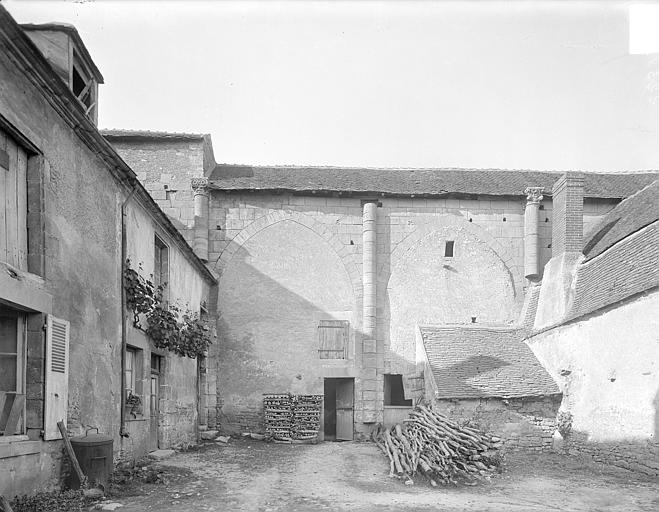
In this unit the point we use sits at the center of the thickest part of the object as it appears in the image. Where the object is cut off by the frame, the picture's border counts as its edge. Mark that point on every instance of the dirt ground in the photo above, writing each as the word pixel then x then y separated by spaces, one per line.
pixel 248 475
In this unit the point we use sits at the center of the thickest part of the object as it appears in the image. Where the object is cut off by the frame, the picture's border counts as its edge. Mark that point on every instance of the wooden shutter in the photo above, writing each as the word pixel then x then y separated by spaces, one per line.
pixel 333 339
pixel 57 376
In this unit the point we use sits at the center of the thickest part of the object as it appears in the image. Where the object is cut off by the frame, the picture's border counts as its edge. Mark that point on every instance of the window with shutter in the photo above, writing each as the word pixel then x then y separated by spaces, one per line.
pixel 333 339
pixel 57 375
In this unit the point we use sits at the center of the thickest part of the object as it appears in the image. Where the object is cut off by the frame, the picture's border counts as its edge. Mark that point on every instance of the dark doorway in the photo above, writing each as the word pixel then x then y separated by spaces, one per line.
pixel 338 409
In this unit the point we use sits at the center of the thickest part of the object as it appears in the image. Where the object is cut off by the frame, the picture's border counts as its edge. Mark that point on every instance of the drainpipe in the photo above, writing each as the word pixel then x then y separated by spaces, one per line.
pixel 531 232
pixel 369 320
pixel 124 255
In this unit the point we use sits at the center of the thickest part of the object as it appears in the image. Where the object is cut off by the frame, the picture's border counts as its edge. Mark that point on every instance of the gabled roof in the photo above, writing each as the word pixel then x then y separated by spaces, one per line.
pixel 418 182
pixel 484 361
pixel 634 213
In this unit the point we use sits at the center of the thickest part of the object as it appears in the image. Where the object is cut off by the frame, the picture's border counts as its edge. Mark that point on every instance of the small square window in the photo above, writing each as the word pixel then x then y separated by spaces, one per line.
pixel 394 393
pixel 448 248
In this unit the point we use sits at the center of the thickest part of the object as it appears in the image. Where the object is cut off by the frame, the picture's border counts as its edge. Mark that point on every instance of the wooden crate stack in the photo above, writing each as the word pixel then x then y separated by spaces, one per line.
pixel 278 412
pixel 292 417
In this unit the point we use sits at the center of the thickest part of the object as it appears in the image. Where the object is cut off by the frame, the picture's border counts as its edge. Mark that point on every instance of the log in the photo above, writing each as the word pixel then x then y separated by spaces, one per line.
pixel 72 456
pixel 440 449
pixel 4 504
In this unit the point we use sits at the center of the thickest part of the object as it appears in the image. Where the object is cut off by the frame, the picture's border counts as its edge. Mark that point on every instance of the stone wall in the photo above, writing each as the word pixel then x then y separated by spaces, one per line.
pixel 640 456
pixel 187 289
pixel 524 424
pixel 81 255
pixel 166 168
pixel 287 260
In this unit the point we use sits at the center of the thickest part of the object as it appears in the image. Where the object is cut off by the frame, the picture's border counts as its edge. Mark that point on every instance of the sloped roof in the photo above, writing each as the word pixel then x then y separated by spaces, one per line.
pixel 73 33
pixel 420 182
pixel 632 214
pixel 484 361
pixel 138 135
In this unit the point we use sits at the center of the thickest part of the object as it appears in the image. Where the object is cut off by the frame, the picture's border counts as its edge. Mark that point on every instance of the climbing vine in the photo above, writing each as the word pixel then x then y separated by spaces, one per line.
pixel 169 327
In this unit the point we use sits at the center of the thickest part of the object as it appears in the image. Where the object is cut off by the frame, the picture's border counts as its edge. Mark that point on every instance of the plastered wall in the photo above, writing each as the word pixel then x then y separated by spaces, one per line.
pixel 82 260
pixel 178 383
pixel 607 366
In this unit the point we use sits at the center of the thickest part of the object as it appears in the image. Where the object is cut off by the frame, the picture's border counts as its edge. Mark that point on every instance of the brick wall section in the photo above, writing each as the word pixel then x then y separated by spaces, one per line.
pixel 567 196
pixel 524 424
pixel 627 268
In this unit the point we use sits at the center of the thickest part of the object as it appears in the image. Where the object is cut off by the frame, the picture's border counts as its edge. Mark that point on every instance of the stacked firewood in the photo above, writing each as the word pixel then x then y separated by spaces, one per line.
pixel 278 413
pixel 306 416
pixel 292 417
pixel 430 444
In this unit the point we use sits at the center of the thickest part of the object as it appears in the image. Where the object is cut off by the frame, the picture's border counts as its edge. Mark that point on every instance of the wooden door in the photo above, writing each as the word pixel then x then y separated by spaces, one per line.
pixel 154 411
pixel 345 392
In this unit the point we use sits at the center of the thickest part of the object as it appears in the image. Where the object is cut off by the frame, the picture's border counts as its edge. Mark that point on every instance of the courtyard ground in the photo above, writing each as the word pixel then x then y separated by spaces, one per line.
pixel 248 475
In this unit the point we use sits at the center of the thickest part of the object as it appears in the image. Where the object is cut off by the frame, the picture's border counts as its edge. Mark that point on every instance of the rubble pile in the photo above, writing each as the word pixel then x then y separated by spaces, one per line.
pixel 430 444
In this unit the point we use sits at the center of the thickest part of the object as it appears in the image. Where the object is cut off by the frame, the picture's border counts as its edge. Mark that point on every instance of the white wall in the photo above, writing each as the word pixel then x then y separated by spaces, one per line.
pixel 607 366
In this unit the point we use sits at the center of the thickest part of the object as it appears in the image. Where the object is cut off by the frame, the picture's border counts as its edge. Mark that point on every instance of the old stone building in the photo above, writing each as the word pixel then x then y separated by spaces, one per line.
pixel 385 285
pixel 71 213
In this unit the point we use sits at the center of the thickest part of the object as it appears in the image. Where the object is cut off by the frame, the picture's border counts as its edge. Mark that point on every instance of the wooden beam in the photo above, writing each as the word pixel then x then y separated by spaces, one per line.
pixel 72 456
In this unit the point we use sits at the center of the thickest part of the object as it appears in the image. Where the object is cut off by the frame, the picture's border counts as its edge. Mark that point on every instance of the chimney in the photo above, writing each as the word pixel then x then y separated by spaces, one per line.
pixel 64 50
pixel 567 221
pixel 557 290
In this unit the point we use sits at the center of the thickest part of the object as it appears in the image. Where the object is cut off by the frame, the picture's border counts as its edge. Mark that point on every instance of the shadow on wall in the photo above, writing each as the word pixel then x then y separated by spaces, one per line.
pixel 270 303
pixel 656 417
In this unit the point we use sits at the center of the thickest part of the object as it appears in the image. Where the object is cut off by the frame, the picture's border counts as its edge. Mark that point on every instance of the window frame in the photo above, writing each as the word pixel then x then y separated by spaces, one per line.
pixel 21 369
pixel 161 265
pixel 387 385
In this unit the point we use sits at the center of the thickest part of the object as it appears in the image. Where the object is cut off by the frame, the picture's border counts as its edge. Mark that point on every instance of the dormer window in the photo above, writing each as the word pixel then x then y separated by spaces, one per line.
pixel 83 86
pixel 62 46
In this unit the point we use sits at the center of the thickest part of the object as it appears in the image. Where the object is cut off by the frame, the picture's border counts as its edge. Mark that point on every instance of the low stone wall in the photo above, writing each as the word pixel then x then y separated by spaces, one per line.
pixel 641 456
pixel 524 424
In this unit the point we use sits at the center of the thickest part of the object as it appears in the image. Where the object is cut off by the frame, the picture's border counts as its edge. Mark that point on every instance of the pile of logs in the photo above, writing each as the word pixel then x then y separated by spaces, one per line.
pixel 430 444
pixel 306 416
pixel 292 417
pixel 278 413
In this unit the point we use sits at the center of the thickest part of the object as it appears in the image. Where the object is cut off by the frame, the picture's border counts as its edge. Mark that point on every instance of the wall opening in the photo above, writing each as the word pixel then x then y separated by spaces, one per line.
pixel 338 409
pixel 448 248
pixel 394 394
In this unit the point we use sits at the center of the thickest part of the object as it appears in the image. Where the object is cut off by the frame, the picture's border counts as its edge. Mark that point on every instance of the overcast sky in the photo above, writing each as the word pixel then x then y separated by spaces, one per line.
pixel 549 86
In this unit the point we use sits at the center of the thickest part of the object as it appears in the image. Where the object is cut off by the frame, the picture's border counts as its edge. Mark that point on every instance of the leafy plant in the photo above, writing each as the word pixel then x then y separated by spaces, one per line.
pixel 64 501
pixel 135 404
pixel 140 293
pixel 184 333
pixel 564 423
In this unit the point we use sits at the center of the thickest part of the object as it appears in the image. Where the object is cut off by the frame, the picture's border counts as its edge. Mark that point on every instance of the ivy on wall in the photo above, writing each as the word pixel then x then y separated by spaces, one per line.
pixel 168 326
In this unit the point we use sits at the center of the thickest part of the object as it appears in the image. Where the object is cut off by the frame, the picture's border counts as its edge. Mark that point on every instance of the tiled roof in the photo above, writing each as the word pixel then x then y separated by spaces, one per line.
pixel 484 361
pixel 628 268
pixel 137 135
pixel 632 214
pixel 421 182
